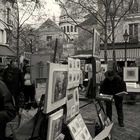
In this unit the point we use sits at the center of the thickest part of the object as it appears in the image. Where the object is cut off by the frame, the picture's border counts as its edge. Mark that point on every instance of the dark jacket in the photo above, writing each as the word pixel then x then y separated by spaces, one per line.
pixel 13 78
pixel 112 87
pixel 7 109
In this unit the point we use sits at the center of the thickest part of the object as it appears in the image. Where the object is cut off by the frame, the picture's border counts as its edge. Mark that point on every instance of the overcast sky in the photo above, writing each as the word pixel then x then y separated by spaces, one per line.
pixel 49 9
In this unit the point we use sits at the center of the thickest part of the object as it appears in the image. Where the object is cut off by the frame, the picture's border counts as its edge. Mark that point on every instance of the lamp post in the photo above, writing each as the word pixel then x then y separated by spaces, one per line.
pixel 125 36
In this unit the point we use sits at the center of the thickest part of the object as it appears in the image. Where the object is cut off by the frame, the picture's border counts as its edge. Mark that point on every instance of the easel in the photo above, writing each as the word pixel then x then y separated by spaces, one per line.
pixel 105 122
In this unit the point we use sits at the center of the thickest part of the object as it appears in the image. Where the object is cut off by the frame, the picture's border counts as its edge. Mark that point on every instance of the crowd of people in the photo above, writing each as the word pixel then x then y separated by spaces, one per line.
pixel 16 91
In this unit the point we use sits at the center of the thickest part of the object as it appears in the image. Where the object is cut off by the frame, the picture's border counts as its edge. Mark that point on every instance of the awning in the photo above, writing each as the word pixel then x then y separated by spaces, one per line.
pixel 132 54
pixel 6 51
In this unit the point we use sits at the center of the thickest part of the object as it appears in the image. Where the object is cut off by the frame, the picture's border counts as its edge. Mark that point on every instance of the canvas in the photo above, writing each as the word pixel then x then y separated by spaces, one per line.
pixel 55 122
pixel 131 74
pixel 56 87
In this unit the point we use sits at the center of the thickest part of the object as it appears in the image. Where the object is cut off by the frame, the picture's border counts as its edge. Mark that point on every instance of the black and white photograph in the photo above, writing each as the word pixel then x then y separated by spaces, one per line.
pixel 48 48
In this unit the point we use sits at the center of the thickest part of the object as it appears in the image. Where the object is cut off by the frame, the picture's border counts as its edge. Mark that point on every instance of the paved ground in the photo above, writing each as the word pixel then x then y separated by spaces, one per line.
pixel 131 131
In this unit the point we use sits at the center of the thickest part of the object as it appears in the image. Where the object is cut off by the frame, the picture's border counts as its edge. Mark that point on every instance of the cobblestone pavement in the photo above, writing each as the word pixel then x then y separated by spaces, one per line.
pixel 131 131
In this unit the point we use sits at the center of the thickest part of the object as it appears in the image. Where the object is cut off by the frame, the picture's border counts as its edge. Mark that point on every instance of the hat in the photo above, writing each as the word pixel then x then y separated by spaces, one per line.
pixel 109 73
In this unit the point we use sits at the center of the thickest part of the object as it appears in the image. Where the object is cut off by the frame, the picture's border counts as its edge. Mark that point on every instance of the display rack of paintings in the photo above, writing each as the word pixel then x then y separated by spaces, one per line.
pixel 56 86
pixel 78 129
pixel 73 73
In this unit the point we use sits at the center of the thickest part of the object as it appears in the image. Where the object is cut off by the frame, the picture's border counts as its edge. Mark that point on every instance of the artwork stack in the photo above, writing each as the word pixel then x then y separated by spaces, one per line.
pixel 61 104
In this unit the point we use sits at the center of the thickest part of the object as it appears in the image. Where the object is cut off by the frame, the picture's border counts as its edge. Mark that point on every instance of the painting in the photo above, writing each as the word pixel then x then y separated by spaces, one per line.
pixel 131 74
pixel 40 87
pixel 78 64
pixel 104 67
pixel 55 122
pixel 70 63
pixel 70 79
pixel 74 128
pixel 78 129
pixel 56 87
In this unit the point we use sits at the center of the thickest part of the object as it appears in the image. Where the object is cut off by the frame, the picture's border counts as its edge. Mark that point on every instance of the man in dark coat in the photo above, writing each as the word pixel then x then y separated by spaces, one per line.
pixel 7 110
pixel 13 78
pixel 112 85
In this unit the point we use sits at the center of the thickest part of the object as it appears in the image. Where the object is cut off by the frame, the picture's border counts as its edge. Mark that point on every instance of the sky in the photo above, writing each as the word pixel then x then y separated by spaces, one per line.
pixel 49 9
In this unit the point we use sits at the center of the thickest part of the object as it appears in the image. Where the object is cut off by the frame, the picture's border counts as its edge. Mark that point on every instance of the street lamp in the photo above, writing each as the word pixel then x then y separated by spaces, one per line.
pixel 125 36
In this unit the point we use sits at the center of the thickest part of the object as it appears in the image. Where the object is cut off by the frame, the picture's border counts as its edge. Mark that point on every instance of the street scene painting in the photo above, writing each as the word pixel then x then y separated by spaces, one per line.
pixel 56 87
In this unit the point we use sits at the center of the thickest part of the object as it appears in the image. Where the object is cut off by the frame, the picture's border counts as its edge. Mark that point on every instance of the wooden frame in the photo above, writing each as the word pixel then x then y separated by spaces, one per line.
pixel 55 122
pixel 56 87
pixel 130 74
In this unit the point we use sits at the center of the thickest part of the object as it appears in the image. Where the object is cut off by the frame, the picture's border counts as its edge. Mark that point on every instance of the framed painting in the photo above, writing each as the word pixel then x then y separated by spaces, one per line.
pixel 70 103
pixel 78 64
pixel 55 122
pixel 104 67
pixel 70 79
pixel 130 74
pixel 74 128
pixel 56 87
pixel 40 87
pixel 70 63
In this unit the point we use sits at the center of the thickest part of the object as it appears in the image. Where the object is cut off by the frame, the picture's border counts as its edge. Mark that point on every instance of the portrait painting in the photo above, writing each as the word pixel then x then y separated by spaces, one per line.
pixel 56 87
pixel 59 85
pixel 70 63
pixel 131 74
pixel 78 64
pixel 55 122
pixel 70 79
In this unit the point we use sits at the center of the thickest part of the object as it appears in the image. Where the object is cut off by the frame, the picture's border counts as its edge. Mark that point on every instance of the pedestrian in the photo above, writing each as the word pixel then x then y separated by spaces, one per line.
pixel 112 85
pixel 13 78
pixel 7 109
pixel 29 89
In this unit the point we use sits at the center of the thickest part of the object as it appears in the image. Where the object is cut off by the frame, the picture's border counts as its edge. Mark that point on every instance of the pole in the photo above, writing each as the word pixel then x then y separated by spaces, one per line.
pixel 55 50
pixel 125 54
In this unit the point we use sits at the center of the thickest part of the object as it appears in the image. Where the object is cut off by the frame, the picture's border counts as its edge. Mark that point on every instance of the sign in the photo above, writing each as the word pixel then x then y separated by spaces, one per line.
pixel 27 55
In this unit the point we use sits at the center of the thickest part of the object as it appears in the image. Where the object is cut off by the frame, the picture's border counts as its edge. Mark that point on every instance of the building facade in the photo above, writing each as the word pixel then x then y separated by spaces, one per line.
pixel 6 9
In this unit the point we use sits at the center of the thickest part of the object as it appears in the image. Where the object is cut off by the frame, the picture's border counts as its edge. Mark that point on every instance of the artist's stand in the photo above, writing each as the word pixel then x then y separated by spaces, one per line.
pixel 105 122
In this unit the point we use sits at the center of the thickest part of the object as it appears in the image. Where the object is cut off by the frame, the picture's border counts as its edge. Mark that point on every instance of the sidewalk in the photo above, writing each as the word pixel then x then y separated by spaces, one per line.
pixel 131 131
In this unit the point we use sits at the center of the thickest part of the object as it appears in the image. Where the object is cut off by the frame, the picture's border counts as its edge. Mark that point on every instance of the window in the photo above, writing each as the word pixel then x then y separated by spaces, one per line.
pixel 64 29
pixel 1 36
pixel 71 28
pixel 49 38
pixel 133 32
pixel 8 15
pixel 67 28
pixel 75 29
pixel 134 7
pixel 7 36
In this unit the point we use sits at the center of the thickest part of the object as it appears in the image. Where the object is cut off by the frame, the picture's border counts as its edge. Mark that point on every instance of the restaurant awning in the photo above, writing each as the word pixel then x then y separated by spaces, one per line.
pixel 6 51
pixel 132 54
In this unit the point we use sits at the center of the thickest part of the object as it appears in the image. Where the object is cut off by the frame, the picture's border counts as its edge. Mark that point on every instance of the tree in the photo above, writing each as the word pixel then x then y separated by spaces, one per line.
pixel 106 12
pixel 22 11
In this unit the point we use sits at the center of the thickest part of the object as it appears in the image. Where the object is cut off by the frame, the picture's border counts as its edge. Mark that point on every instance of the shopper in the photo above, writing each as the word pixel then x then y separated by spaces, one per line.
pixel 13 78
pixel 7 110
pixel 112 85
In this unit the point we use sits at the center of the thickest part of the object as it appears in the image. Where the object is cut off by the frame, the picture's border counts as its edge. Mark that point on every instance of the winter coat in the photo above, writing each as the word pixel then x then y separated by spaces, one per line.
pixel 7 109
pixel 112 87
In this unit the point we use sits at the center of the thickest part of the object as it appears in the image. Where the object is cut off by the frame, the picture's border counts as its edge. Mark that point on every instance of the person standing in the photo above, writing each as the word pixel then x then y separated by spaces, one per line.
pixel 13 78
pixel 7 109
pixel 112 85
pixel 29 88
